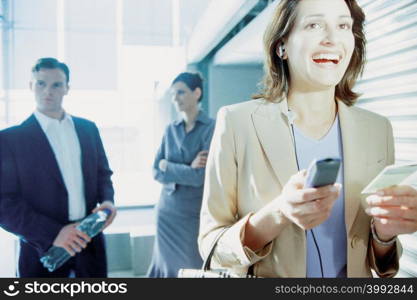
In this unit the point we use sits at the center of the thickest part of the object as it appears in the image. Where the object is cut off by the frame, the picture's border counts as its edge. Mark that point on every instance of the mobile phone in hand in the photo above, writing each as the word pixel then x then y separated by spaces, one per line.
pixel 322 172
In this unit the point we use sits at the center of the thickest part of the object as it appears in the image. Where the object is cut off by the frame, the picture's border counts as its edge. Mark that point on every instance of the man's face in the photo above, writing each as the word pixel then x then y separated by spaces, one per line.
pixel 50 87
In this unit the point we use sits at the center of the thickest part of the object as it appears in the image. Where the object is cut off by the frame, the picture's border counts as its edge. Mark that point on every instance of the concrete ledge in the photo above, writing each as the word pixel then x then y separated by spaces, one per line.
pixel 119 253
pixel 142 239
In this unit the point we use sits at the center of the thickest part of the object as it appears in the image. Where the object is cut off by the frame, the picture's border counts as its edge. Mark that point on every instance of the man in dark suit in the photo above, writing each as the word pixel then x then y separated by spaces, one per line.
pixel 54 172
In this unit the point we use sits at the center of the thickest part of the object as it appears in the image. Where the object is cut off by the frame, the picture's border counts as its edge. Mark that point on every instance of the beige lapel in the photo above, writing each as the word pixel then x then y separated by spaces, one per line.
pixel 355 135
pixel 275 136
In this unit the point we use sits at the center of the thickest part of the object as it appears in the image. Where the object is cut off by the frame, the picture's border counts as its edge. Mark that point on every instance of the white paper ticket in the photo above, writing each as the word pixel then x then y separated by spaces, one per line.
pixel 393 175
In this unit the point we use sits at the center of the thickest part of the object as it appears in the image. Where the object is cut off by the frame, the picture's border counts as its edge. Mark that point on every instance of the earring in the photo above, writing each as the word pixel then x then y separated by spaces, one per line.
pixel 281 51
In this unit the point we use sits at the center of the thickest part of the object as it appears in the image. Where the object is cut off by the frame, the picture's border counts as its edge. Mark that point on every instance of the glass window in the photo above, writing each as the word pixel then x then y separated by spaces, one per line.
pixel 116 81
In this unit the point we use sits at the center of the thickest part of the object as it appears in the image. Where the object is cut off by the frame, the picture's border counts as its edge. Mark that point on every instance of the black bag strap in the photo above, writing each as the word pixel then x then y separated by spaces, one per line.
pixel 207 261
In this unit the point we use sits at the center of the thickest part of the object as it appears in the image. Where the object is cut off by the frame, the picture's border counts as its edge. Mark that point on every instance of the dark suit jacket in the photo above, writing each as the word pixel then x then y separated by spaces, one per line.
pixel 34 199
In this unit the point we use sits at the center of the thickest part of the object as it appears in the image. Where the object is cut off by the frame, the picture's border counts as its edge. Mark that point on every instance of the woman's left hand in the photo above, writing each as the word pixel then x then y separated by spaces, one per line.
pixel 394 210
pixel 200 160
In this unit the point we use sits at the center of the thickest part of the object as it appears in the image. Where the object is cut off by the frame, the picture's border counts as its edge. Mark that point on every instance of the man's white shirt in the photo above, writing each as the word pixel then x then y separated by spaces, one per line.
pixel 64 142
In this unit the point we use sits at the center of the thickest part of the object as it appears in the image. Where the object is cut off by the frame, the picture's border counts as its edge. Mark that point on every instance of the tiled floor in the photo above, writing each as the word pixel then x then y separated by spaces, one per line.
pixel 124 274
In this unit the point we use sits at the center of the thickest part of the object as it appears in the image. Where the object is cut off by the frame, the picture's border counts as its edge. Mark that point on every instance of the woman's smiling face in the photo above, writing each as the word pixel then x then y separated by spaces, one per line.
pixel 320 45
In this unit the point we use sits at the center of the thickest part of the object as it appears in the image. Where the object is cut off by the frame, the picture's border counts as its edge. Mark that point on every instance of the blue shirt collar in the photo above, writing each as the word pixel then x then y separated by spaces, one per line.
pixel 201 117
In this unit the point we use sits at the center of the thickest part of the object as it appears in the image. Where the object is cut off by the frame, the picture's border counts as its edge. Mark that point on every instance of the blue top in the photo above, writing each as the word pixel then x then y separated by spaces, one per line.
pixel 178 209
pixel 330 235
pixel 180 149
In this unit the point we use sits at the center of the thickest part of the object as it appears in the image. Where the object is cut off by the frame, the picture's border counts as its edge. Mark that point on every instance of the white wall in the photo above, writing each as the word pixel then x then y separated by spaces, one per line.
pixel 8 254
pixel 231 84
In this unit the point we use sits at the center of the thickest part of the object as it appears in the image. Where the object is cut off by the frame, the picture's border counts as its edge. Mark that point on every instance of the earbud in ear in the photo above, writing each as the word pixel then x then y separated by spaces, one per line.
pixel 281 51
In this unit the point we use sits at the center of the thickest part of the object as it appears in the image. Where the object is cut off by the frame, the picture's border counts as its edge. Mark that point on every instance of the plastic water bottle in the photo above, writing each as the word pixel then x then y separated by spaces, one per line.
pixel 55 257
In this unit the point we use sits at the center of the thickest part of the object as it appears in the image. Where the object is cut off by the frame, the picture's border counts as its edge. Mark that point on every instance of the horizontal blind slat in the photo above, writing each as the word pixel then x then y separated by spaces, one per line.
pixel 389 86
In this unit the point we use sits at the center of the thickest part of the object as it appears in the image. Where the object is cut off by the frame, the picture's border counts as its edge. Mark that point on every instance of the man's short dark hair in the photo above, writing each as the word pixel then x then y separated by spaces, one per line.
pixel 51 63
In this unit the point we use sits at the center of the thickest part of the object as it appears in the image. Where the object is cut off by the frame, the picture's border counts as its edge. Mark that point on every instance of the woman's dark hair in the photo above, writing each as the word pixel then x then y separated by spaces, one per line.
pixel 51 63
pixel 191 80
pixel 277 76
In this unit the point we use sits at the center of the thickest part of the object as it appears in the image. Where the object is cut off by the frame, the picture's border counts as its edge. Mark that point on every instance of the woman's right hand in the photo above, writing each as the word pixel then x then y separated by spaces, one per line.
pixel 307 207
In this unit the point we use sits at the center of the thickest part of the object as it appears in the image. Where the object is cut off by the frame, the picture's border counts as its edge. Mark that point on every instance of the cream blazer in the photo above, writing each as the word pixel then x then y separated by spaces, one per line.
pixel 252 157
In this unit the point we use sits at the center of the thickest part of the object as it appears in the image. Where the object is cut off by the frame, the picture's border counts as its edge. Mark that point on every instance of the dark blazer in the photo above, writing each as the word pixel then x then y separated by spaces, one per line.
pixel 34 199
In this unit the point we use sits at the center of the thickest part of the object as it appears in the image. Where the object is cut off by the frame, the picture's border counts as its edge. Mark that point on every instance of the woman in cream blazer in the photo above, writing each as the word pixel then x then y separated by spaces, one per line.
pixel 252 159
